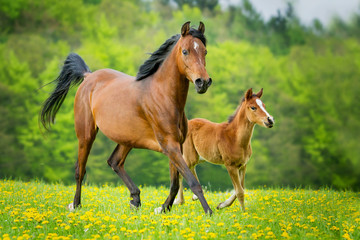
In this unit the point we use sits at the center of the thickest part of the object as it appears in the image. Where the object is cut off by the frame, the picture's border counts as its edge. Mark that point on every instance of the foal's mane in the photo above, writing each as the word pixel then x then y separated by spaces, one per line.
pixel 232 117
pixel 151 65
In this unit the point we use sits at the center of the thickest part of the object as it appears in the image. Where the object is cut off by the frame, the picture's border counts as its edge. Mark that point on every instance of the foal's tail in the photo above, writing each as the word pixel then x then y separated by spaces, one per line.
pixel 71 74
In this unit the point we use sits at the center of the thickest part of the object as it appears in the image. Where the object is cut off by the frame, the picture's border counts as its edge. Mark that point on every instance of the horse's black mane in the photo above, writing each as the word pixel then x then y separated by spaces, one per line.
pixel 151 65
pixel 232 117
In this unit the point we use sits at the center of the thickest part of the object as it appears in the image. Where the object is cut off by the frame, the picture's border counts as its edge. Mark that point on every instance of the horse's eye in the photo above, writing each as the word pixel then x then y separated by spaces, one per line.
pixel 185 52
pixel 253 108
pixel 205 52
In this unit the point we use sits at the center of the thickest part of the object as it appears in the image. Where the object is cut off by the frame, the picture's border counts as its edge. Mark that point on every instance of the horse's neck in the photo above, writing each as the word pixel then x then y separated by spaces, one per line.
pixel 172 85
pixel 242 128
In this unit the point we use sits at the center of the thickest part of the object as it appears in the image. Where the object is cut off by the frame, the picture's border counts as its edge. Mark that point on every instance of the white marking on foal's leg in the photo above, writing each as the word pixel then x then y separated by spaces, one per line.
pixel 158 210
pixel 71 207
pixel 194 197
pixel 227 202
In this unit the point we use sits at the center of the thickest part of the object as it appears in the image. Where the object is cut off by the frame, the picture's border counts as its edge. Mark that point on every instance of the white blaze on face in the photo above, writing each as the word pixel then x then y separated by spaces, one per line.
pixel 196 46
pixel 260 103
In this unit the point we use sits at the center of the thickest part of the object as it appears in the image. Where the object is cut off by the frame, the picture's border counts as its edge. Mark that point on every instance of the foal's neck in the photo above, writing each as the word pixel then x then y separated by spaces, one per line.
pixel 242 128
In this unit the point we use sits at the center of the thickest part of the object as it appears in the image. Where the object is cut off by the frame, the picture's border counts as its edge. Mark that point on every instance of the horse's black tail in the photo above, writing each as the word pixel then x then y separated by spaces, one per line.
pixel 71 74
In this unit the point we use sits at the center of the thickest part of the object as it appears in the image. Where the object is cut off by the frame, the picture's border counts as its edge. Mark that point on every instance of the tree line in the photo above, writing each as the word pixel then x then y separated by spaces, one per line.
pixel 309 74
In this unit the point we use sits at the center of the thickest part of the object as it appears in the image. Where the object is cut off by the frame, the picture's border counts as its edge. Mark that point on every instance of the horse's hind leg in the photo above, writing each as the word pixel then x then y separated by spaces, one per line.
pixel 116 162
pixel 85 144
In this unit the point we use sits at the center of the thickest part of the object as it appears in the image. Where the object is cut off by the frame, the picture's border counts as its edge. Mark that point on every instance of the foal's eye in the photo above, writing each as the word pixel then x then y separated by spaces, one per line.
pixel 205 52
pixel 185 52
pixel 253 108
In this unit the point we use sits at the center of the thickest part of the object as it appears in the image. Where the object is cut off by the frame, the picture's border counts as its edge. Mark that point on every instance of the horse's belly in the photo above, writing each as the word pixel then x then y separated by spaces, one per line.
pixel 129 131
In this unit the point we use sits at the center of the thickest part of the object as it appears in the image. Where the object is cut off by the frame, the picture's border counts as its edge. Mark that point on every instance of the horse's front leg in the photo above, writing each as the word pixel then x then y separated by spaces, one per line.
pixel 172 150
pixel 116 162
pixel 174 188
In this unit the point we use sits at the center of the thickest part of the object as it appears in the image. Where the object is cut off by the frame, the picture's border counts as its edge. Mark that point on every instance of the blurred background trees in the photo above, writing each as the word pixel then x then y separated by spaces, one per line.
pixel 310 75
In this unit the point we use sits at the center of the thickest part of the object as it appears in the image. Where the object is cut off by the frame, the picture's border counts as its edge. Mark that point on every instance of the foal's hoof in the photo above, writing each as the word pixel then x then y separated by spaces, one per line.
pixel 194 197
pixel 221 206
pixel 70 207
pixel 158 210
pixel 178 202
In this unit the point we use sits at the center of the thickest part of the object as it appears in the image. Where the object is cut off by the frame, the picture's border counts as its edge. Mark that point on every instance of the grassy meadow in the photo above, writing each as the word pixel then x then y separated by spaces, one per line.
pixel 35 210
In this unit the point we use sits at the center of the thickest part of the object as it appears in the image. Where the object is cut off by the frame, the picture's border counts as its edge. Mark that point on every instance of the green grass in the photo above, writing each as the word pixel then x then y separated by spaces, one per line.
pixel 35 210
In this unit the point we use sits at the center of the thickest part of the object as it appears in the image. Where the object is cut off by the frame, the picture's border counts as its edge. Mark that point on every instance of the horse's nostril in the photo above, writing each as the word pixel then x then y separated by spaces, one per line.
pixel 271 121
pixel 199 82
pixel 209 82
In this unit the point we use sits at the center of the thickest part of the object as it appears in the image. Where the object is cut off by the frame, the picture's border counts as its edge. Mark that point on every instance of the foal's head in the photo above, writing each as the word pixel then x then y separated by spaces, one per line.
pixel 191 56
pixel 255 109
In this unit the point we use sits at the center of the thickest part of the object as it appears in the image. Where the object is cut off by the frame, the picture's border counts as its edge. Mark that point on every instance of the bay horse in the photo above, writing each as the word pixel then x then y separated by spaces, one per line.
pixel 227 143
pixel 146 111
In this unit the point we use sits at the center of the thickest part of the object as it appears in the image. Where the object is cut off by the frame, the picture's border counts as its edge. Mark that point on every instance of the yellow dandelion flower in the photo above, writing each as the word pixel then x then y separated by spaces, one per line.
pixel 285 235
pixel 346 236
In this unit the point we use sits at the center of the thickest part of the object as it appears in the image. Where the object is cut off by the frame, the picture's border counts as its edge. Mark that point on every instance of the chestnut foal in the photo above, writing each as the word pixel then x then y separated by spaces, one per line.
pixel 227 143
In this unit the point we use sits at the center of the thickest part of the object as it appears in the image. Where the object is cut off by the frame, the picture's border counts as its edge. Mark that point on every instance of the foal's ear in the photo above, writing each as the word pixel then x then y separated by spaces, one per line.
pixel 259 94
pixel 185 29
pixel 201 27
pixel 248 94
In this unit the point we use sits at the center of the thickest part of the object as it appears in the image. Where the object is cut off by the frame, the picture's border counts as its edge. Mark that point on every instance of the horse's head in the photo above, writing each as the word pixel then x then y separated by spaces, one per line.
pixel 255 109
pixel 191 56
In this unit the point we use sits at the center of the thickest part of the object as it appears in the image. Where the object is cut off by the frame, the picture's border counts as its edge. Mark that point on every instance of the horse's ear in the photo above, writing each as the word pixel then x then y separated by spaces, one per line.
pixel 248 94
pixel 259 94
pixel 185 29
pixel 201 27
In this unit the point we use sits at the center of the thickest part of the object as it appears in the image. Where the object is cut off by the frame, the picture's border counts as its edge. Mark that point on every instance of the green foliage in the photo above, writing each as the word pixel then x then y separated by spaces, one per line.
pixel 309 75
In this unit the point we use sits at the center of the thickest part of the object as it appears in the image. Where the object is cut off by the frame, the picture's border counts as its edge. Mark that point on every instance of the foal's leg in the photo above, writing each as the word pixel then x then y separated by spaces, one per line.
pixel 192 169
pixel 116 162
pixel 191 158
pixel 180 196
pixel 232 198
pixel 239 190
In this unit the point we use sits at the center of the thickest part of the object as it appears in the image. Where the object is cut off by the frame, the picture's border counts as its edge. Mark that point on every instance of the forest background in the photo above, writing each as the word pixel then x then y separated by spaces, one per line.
pixel 310 75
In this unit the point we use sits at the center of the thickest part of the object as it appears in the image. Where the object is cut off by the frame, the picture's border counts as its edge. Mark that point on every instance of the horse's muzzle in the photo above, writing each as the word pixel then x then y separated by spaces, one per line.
pixel 202 85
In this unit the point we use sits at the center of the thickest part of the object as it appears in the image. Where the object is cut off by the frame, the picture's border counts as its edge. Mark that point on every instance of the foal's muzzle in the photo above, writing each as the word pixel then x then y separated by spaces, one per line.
pixel 270 122
pixel 202 85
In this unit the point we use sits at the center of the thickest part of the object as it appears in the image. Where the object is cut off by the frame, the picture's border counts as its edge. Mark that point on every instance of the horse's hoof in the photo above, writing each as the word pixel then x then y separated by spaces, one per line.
pixel 71 207
pixel 158 210
pixel 133 207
